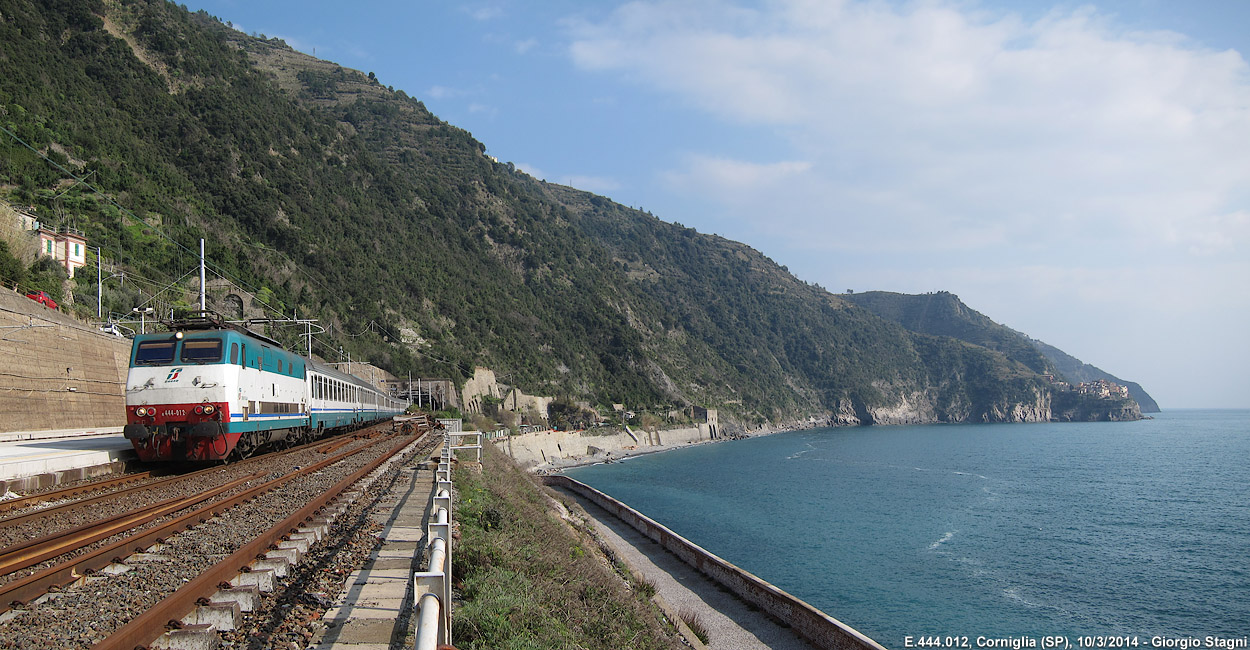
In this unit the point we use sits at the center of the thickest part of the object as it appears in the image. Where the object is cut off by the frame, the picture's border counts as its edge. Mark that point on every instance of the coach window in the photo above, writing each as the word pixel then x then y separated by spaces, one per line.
pixel 234 353
pixel 279 366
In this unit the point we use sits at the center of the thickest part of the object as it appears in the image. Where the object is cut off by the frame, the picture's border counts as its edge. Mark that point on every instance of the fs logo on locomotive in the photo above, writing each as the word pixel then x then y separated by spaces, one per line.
pixel 173 375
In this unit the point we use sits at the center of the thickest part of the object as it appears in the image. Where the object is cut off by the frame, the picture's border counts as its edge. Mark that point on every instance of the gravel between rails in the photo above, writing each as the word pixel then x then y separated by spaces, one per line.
pixel 84 614
pixel 142 499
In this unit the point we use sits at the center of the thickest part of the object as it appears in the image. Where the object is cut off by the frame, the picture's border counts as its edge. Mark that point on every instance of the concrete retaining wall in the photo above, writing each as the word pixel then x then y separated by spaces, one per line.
pixel 532 449
pixel 819 628
pixel 56 372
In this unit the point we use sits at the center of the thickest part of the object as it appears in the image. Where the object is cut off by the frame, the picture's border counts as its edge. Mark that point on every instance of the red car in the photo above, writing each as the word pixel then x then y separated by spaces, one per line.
pixel 42 298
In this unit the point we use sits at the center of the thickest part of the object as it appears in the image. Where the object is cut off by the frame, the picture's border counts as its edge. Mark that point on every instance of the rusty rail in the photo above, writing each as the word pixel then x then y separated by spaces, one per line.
pixel 15 558
pixel 24 590
pixel 146 627
pixel 70 492
pixel 18 520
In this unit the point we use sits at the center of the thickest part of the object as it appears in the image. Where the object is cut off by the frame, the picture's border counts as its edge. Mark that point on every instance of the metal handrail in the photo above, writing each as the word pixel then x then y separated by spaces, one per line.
pixel 467 434
pixel 432 587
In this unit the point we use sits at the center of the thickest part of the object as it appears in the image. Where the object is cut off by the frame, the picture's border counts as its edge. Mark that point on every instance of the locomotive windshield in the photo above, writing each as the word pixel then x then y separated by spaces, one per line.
pixel 201 351
pixel 155 353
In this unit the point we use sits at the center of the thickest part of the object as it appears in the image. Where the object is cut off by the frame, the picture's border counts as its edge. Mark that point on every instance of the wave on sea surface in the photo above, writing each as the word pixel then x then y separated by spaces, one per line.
pixel 945 538
pixel 1055 528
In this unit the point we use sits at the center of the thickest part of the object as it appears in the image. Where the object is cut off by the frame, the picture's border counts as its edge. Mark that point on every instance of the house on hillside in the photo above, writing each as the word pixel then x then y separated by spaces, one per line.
pixel 1103 389
pixel 65 245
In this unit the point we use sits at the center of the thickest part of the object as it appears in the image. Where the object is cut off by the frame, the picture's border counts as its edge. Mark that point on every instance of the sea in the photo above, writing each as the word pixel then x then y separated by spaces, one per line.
pixel 1136 531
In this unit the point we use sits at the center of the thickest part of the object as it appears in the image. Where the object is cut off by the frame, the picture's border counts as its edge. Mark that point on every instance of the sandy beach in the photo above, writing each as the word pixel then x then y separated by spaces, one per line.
pixel 557 465
pixel 605 449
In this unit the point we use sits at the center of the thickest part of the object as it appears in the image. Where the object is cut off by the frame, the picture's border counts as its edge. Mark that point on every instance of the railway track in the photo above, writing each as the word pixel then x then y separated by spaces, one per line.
pixel 70 493
pixel 188 546
pixel 110 498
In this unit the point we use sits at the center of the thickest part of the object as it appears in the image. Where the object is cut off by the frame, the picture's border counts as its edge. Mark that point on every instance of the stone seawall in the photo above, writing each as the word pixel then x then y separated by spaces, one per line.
pixel 57 372
pixel 822 630
pixel 563 448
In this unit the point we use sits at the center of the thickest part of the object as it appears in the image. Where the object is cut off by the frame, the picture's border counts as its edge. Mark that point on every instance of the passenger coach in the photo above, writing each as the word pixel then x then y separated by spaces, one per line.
pixel 205 391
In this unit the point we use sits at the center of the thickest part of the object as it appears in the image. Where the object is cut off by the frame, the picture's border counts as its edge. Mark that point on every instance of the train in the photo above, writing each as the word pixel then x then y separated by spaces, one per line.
pixel 208 390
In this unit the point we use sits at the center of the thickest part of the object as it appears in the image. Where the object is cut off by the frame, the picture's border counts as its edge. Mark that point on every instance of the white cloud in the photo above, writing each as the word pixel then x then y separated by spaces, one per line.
pixel 444 92
pixel 595 184
pixel 484 12
pixel 724 176
pixel 532 170
pixel 928 117
pixel 523 47
pixel 1080 181
pixel 483 109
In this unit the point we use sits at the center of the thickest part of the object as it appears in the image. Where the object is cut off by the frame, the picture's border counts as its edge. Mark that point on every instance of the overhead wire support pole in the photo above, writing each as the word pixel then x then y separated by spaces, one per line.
pixel 201 276
pixel 99 289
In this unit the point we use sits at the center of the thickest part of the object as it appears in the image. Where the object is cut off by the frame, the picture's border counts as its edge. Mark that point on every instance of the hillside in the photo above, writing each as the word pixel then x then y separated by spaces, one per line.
pixel 323 192
pixel 943 314
pixel 1076 371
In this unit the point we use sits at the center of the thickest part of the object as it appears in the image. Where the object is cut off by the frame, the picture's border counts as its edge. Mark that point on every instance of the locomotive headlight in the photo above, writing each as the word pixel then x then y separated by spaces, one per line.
pixel 208 409
pixel 141 412
pixel 199 410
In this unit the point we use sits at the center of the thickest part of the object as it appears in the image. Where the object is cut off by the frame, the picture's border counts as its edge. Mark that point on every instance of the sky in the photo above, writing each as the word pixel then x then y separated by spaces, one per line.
pixel 1079 172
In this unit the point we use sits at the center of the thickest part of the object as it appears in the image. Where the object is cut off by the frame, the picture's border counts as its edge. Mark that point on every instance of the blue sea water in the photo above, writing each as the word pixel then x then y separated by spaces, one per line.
pixel 1128 528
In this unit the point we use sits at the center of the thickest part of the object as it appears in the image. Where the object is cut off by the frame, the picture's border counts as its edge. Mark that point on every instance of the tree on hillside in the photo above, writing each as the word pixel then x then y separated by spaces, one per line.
pixel 11 269
pixel 46 275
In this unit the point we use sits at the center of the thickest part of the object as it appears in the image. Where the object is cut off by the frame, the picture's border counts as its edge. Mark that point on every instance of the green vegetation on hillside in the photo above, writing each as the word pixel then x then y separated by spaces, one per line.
pixel 330 195
pixel 943 314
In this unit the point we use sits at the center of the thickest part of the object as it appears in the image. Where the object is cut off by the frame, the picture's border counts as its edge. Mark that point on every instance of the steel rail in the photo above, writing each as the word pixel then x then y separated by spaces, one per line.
pixel 69 492
pixel 322 446
pixel 20 556
pixel 18 520
pixel 147 627
pixel 21 591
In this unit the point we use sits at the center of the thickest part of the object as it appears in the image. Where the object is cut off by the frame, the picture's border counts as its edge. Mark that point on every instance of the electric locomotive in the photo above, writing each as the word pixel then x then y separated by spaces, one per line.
pixel 209 391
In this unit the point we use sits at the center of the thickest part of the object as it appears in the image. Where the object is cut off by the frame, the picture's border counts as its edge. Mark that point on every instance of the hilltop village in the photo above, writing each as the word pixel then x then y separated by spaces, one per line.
pixel 1098 388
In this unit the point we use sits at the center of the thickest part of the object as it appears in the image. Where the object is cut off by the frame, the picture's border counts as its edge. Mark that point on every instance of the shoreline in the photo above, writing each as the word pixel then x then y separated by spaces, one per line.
pixel 557 466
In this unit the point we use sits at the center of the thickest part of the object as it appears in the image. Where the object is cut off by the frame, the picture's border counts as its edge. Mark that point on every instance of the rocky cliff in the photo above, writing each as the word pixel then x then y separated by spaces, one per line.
pixel 1041 404
pixel 1070 407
